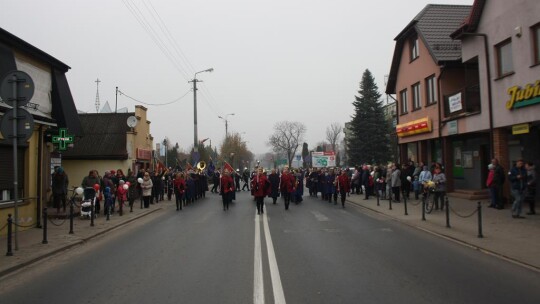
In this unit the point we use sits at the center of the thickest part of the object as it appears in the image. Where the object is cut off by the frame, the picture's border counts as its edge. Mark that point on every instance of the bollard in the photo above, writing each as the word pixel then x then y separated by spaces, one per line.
pixel 480 235
pixel 378 204
pixel 108 210
pixel 71 217
pixel 92 213
pixel 405 204
pixel 121 208
pixel 44 226
pixel 447 212
pixel 423 209
pixel 390 203
pixel 9 228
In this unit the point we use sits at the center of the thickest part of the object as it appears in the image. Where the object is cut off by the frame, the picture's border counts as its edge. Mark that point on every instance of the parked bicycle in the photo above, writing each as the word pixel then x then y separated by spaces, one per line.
pixel 428 196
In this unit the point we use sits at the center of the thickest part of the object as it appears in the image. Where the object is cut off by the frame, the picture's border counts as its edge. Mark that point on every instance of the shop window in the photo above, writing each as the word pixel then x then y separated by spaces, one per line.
pixel 505 64
pixel 414 48
pixel 417 103
pixel 403 102
pixel 536 43
pixel 431 90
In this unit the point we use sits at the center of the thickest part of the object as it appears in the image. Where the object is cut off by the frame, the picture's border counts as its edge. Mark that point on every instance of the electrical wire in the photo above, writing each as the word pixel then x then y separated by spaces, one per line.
pixel 155 104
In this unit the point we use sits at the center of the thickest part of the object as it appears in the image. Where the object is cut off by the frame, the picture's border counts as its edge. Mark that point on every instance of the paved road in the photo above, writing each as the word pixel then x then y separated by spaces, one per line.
pixel 313 253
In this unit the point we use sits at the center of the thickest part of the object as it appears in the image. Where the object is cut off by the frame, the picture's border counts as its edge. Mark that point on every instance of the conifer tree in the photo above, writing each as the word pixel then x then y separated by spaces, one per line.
pixel 369 139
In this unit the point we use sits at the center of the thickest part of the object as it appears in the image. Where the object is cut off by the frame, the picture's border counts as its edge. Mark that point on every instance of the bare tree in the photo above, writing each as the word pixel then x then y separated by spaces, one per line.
pixel 333 133
pixel 287 137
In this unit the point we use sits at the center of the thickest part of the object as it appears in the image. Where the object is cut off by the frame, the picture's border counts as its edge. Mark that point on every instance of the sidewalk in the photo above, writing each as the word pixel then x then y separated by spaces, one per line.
pixel 32 250
pixel 517 240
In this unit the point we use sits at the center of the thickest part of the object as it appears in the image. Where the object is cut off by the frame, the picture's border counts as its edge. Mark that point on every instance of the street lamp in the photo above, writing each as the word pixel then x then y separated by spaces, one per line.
pixel 226 123
pixel 195 80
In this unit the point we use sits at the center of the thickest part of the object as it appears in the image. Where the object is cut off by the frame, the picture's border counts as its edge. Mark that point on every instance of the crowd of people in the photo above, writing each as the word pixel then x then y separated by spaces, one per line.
pixel 392 181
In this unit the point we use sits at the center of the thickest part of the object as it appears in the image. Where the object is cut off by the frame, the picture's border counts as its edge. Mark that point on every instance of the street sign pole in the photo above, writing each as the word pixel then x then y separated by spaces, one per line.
pixel 14 80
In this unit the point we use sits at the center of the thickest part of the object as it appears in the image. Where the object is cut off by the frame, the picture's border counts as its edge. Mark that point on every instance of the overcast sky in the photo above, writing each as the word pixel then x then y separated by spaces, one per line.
pixel 298 60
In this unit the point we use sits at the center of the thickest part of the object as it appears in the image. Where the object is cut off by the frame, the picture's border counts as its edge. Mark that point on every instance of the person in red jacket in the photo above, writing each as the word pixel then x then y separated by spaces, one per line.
pixel 343 186
pixel 261 188
pixel 179 185
pixel 121 194
pixel 287 186
pixel 226 188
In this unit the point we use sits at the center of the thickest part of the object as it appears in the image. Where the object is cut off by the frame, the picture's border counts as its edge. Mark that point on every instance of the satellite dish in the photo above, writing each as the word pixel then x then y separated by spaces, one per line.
pixel 132 121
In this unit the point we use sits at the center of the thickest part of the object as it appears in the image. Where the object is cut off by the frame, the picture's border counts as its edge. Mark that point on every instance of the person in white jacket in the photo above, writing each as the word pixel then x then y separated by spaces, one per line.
pixel 146 186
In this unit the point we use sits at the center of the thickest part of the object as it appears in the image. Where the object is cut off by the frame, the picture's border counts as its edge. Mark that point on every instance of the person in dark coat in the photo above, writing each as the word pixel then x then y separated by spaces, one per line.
pixel 273 178
pixel 60 184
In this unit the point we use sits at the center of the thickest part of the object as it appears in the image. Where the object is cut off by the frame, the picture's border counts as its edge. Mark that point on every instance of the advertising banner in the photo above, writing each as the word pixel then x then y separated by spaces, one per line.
pixel 323 159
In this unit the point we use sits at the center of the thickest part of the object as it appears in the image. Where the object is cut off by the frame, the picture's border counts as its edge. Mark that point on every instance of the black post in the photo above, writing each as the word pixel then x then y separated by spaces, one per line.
pixel 44 226
pixel 405 204
pixel 92 212
pixel 390 202
pixel 71 216
pixel 108 210
pixel 480 235
pixel 423 209
pixel 447 207
pixel 9 229
pixel 378 204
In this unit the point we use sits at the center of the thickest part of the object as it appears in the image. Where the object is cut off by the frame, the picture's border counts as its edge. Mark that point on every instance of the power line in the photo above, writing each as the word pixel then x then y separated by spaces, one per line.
pixel 155 104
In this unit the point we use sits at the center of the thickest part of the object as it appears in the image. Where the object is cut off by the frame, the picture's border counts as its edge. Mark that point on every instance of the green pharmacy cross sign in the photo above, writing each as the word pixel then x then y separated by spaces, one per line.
pixel 62 139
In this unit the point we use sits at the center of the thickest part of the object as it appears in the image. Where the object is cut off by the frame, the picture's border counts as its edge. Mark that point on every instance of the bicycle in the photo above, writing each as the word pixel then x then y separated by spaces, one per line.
pixel 428 196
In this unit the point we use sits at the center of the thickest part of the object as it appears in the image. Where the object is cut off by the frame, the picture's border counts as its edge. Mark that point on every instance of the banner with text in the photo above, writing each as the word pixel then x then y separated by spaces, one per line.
pixel 323 159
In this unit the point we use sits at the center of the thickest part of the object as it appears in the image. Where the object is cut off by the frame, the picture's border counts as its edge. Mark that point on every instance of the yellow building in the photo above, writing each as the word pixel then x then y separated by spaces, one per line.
pixel 51 107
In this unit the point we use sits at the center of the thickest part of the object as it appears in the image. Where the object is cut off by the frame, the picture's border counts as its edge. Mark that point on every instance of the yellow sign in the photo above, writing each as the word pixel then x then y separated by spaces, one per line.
pixel 521 97
pixel 520 129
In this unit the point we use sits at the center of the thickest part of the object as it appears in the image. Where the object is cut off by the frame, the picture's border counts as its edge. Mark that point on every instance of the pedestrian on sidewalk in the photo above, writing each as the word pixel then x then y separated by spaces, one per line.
pixel 121 195
pixel 133 192
pixel 146 186
pixel 396 181
pixel 498 182
pixel 440 187
pixel 60 184
pixel 518 180
pixel 416 187
pixel 530 190
pixel 490 185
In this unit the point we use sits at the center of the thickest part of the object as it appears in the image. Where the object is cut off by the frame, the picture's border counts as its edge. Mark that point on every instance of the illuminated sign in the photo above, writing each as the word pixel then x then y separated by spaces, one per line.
pixel 522 97
pixel 63 140
pixel 414 127
pixel 520 129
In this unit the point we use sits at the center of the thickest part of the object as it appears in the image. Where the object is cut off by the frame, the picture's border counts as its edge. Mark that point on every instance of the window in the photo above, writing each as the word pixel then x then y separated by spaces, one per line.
pixel 431 90
pixel 417 104
pixel 505 64
pixel 536 43
pixel 403 98
pixel 414 48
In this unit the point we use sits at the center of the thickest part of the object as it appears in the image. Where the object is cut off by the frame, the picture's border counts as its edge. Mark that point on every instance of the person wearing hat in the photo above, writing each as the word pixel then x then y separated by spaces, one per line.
pixel 60 183
pixel 261 188
pixel 226 189
pixel 287 184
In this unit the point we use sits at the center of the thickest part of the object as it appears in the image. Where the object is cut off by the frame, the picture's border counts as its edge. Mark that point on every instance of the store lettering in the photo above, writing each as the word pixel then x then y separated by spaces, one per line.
pixel 521 97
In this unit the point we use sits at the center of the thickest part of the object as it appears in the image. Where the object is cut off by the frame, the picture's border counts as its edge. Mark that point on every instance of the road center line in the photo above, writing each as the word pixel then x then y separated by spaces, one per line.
pixel 258 284
pixel 279 296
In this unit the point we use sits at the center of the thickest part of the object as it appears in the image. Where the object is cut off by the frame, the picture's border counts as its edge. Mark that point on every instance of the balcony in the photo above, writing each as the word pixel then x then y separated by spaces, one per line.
pixel 463 103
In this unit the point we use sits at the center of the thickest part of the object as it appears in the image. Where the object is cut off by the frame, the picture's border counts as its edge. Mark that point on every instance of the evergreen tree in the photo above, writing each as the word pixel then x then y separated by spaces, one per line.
pixel 369 139
pixel 305 154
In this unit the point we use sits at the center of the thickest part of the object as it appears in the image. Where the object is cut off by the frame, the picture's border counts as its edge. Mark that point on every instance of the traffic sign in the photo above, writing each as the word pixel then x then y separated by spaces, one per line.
pixel 25 125
pixel 25 88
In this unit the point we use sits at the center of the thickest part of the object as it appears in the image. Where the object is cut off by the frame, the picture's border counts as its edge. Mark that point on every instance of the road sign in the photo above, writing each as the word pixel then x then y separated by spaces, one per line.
pixel 25 88
pixel 25 126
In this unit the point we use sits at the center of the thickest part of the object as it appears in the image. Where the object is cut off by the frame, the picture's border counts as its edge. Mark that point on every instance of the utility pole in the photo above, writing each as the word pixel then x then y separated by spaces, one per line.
pixel 116 103
pixel 195 80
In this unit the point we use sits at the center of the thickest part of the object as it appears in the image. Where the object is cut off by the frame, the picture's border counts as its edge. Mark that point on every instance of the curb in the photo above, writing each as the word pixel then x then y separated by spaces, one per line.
pixel 453 239
pixel 69 246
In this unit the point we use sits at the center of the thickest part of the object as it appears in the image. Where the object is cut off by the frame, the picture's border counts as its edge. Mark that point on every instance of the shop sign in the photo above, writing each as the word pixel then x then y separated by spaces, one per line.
pixel 454 103
pixel 63 139
pixel 144 154
pixel 414 127
pixel 521 97
pixel 520 129
pixel 452 127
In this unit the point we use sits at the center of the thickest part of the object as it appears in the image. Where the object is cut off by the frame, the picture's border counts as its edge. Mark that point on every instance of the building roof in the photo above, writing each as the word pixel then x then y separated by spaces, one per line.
pixel 470 24
pixel 105 137
pixel 433 25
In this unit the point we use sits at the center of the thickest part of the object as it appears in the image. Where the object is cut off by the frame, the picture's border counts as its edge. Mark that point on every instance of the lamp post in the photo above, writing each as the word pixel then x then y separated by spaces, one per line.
pixel 226 123
pixel 195 80
pixel 166 144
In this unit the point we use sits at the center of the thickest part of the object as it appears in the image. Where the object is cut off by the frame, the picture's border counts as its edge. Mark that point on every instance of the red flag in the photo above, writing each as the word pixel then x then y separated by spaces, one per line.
pixel 227 166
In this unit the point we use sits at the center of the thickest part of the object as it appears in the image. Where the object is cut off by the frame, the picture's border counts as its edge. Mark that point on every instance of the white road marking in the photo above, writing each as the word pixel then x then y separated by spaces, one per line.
pixel 320 217
pixel 279 296
pixel 258 284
